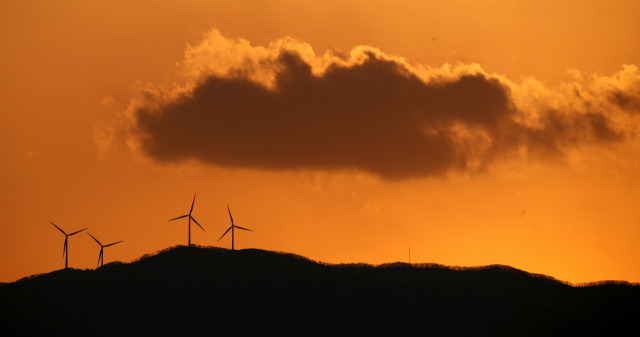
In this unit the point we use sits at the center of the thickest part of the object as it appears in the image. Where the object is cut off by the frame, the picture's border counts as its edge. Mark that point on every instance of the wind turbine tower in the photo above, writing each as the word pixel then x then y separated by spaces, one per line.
pixel 65 251
pixel 232 229
pixel 101 256
pixel 190 218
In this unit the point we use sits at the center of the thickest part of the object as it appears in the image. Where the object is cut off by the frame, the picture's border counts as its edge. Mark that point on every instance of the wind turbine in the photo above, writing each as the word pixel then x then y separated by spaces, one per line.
pixel 190 218
pixel 232 229
pixel 101 256
pixel 65 251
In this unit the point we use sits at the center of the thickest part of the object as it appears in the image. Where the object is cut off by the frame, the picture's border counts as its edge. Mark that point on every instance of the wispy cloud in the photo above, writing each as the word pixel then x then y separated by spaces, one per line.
pixel 103 138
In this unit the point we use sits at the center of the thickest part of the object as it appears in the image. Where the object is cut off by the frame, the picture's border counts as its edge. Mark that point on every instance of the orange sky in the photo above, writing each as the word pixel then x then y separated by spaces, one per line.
pixel 73 125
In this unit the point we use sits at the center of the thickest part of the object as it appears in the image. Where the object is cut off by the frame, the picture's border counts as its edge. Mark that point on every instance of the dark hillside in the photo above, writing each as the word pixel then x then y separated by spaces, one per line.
pixel 213 291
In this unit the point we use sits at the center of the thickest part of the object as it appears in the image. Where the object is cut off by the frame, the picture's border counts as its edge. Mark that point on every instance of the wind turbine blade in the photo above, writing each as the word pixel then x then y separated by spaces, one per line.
pixel 194 201
pixel 225 233
pixel 230 215
pixel 95 239
pixel 74 233
pixel 111 244
pixel 238 227
pixel 58 228
pixel 194 220
pixel 180 217
pixel 99 257
pixel 64 250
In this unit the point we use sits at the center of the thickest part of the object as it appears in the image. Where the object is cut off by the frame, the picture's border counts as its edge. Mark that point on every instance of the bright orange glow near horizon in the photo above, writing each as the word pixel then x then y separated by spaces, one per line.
pixel 474 132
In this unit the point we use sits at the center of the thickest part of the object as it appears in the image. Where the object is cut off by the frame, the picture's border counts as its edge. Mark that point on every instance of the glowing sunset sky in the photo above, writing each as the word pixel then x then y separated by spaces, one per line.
pixel 475 132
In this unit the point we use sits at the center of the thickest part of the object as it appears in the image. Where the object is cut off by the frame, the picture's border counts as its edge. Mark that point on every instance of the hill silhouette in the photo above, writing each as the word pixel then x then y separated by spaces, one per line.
pixel 214 291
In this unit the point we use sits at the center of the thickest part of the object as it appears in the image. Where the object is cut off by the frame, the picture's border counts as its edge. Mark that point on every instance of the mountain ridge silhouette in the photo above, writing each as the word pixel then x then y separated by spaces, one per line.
pixel 210 290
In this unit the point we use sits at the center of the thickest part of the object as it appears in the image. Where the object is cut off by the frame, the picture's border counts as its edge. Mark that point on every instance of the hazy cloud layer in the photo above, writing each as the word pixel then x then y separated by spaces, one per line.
pixel 284 108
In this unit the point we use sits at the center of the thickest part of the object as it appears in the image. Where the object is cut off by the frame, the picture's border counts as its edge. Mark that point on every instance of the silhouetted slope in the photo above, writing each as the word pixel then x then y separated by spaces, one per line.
pixel 190 290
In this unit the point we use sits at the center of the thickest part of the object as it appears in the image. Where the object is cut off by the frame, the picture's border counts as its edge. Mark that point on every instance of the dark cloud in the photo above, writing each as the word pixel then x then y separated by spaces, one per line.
pixel 627 101
pixel 376 115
